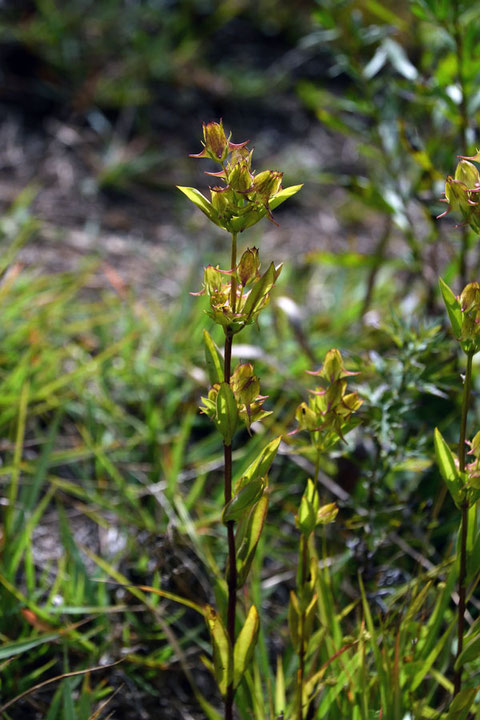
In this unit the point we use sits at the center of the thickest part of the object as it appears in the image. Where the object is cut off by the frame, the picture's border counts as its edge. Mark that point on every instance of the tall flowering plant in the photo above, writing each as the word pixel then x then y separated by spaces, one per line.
pixel 239 199
pixel 462 193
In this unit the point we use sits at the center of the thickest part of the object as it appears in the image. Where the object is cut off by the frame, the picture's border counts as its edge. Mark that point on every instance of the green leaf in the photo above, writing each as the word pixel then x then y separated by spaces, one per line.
pixel 212 358
pixel 245 645
pixel 461 704
pixel 9 650
pixel 448 469
pixel 248 534
pixel 283 195
pixel 470 652
pixel 259 290
pixel 222 649
pixel 201 202
pixel 310 614
pixel 305 520
pixel 227 412
pixel 248 495
pixel 280 694
pixel 294 619
pixel 453 308
pixel 261 465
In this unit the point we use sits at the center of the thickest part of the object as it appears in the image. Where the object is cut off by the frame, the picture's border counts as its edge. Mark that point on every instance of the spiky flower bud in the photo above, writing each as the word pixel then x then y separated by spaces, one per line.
pixel 330 408
pixel 461 192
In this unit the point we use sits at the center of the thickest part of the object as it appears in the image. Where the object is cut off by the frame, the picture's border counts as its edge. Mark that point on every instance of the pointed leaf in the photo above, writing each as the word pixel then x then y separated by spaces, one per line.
pixel 461 704
pixel 201 202
pixel 222 650
pixel 212 358
pixel 248 535
pixel 280 695
pixel 227 412
pixel 447 467
pixel 294 619
pixel 470 652
pixel 245 645
pixel 239 504
pixel 283 195
pixel 453 308
pixel 260 289
pixel 8 650
pixel 261 465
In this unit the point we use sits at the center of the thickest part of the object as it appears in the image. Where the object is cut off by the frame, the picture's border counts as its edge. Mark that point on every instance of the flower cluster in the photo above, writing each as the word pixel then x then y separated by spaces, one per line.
pixel 461 191
pixel 464 314
pixel 245 386
pixel 230 306
pixel 244 198
pixel 330 408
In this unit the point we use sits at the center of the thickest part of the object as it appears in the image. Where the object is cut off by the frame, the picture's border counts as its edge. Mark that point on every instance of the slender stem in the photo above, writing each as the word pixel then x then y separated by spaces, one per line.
pixel 303 579
pixel 227 451
pixel 462 574
pixel 233 290
pixel 301 650
pixel 467 388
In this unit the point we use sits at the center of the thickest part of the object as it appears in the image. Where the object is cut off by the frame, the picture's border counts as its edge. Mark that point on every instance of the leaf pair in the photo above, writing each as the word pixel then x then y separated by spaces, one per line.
pixel 230 665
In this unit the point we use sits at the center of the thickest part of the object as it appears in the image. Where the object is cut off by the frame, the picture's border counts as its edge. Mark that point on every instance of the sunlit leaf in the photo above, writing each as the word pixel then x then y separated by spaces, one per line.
pixel 245 645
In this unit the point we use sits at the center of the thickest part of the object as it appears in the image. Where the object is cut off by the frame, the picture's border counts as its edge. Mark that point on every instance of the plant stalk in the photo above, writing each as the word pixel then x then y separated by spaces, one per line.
pixel 462 574
pixel 301 651
pixel 227 451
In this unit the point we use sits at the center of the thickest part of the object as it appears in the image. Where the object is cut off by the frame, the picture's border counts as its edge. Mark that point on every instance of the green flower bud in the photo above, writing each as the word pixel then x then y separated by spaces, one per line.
pixel 470 306
pixel 248 266
pixel 220 201
pixel 307 419
pixel 267 183
pixel 245 384
pixel 332 369
pixel 216 145
pixel 470 297
pixel 305 519
pixel 240 178
pixel 456 194
pixel 467 174
pixel 327 514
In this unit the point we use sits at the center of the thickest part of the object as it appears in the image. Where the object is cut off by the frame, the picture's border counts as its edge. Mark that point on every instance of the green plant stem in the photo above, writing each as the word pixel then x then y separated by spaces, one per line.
pixel 233 290
pixel 303 580
pixel 462 574
pixel 227 451
pixel 301 650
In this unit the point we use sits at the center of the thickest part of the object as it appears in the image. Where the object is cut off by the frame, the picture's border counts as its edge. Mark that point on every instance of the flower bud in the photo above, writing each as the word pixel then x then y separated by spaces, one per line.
pixel 327 514
pixel 470 297
pixel 468 174
pixel 248 266
pixel 470 307
pixel 216 145
pixel 333 368
pixel 267 183
pixel 245 384
pixel 456 195
pixel 239 177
